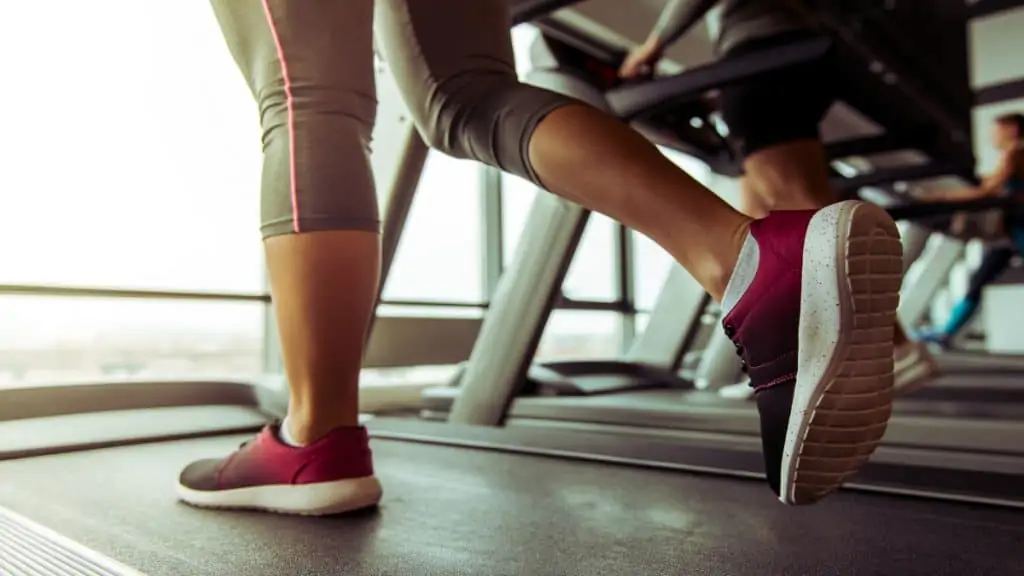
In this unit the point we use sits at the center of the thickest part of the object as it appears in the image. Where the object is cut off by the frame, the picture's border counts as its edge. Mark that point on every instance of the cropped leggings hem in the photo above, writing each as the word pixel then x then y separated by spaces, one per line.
pixel 310 68
pixel 288 225
pixel 529 127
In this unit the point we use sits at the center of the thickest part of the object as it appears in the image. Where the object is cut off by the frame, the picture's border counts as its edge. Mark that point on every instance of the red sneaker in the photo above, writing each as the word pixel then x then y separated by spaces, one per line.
pixel 811 308
pixel 330 476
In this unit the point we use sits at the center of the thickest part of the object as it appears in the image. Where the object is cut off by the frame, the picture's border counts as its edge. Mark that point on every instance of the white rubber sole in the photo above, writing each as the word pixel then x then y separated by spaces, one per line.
pixel 320 499
pixel 844 387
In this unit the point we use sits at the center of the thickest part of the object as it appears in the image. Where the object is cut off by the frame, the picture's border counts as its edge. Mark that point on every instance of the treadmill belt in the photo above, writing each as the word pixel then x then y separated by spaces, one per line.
pixel 472 512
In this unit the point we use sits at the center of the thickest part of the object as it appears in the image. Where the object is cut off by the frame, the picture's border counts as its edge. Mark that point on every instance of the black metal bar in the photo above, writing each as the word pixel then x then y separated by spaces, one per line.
pixel 624 278
pixel 562 303
pixel 435 304
pixel 884 196
pixel 90 292
pixel 624 263
pixel 905 77
pixel 631 101
pixel 983 8
pixel 66 291
pixel 920 211
pixel 902 173
pixel 565 303
pixel 526 10
pixel 569 36
pixel 722 164
pixel 866 146
pixel 493 229
pixel 996 93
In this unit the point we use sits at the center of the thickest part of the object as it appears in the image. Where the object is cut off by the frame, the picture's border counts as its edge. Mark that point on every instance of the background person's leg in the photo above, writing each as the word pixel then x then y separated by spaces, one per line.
pixel 309 65
pixel 1017 236
pixel 993 264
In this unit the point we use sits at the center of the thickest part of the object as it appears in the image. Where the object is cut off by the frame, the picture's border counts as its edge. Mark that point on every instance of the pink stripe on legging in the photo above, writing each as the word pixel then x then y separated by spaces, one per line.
pixel 289 101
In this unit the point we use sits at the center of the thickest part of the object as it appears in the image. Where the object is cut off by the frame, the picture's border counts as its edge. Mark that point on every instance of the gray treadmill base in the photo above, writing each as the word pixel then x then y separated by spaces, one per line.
pixel 962 362
pixel 456 511
pixel 993 428
pixel 961 477
pixel 593 377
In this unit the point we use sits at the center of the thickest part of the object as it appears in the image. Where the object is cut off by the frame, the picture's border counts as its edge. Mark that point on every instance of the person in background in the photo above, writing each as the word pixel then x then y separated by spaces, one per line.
pixel 773 122
pixel 1006 181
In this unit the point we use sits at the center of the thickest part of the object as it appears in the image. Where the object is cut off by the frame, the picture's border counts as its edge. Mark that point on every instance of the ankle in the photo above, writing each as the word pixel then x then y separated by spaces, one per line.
pixel 720 269
pixel 299 430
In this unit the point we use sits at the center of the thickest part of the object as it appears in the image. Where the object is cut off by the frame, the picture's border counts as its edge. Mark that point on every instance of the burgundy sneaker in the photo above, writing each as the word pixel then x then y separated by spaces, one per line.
pixel 811 308
pixel 330 476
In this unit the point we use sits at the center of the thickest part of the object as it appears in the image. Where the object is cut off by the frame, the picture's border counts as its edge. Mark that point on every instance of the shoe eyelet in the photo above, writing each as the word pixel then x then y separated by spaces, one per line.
pixel 729 330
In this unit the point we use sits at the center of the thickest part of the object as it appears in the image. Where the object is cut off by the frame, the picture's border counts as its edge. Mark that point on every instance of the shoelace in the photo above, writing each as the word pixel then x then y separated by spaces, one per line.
pixel 730 333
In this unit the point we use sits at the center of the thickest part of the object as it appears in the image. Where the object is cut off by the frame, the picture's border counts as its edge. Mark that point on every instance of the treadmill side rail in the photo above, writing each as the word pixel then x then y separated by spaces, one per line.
pixel 643 99
pixel 676 311
pixel 901 173
pixel 926 210
pixel 915 239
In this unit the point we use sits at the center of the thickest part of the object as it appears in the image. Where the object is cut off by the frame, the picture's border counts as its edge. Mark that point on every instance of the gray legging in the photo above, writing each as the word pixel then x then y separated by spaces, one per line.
pixel 309 64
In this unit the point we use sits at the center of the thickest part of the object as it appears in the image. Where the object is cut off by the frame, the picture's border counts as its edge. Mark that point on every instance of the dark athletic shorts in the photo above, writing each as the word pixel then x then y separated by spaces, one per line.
pixel 1013 218
pixel 780 107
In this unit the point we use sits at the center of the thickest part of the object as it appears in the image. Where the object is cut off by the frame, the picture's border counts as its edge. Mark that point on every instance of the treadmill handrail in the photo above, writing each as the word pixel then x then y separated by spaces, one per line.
pixel 634 100
pixel 924 210
pixel 902 173
pixel 526 10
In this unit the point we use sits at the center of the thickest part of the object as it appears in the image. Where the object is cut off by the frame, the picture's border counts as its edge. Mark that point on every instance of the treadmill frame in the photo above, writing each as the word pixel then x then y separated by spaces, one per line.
pixel 901 470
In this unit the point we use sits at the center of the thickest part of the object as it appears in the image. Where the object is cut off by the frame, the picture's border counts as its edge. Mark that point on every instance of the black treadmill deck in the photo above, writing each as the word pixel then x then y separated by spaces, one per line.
pixel 456 511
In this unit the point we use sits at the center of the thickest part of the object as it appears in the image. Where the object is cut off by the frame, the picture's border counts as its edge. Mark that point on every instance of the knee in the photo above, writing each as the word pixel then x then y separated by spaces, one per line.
pixel 317 174
pixel 484 116
pixel 450 115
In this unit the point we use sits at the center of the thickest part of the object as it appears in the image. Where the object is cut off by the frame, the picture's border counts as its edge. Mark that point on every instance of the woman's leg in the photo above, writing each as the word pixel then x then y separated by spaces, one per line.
pixel 992 265
pixel 310 68
pixel 576 151
pixel 453 62
pixel 1017 236
pixel 593 159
